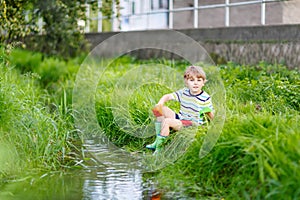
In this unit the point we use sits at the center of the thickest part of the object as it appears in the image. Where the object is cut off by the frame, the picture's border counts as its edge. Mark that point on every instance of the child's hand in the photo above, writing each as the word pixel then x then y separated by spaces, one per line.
pixel 157 110
pixel 205 110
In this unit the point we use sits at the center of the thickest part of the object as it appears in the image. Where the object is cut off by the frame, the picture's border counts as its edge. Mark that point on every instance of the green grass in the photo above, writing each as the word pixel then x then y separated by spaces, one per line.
pixel 256 157
pixel 36 132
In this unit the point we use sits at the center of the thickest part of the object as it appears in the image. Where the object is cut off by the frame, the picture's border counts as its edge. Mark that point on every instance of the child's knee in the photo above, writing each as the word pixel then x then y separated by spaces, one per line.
pixel 167 121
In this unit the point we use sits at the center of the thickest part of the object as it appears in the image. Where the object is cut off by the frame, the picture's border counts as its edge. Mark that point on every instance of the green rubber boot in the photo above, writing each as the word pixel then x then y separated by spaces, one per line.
pixel 157 130
pixel 152 146
pixel 159 144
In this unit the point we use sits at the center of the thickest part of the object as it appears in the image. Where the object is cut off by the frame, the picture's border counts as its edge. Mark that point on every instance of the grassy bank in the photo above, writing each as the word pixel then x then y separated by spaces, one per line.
pixel 257 155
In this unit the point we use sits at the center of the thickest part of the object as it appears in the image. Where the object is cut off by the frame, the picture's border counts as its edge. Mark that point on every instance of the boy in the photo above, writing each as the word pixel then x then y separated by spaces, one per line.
pixel 194 103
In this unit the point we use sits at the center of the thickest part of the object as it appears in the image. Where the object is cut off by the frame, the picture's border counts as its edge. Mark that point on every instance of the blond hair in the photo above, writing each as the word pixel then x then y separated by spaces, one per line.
pixel 194 71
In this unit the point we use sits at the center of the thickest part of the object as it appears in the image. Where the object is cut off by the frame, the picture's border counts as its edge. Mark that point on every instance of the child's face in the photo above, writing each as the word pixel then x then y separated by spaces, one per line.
pixel 194 84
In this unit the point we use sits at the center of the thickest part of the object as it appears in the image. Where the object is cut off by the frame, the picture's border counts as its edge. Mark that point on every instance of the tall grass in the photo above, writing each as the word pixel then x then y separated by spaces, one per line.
pixel 55 75
pixel 257 155
pixel 35 131
pixel 127 91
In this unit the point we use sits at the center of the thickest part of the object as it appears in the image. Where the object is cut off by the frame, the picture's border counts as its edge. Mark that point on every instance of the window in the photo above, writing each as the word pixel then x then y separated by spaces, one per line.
pixel 133 8
pixel 159 4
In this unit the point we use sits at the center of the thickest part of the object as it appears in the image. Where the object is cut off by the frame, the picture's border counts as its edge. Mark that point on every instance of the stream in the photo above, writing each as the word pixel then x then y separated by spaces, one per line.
pixel 118 180
pixel 95 183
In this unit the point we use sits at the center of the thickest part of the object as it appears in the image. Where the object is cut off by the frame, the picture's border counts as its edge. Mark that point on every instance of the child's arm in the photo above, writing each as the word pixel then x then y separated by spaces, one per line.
pixel 210 115
pixel 208 112
pixel 157 110
pixel 164 99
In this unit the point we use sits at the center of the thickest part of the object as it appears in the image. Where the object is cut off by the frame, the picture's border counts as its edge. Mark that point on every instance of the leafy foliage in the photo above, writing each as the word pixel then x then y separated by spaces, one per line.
pixel 14 24
pixel 59 33
pixel 108 12
pixel 63 35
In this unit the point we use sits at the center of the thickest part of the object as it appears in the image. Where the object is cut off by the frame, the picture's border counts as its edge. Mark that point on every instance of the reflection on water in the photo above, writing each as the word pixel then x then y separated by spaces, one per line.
pixel 119 178
pixel 113 184
pixel 95 183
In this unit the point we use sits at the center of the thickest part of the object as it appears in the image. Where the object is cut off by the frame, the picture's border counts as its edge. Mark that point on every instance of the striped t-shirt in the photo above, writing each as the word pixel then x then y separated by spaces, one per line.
pixel 191 105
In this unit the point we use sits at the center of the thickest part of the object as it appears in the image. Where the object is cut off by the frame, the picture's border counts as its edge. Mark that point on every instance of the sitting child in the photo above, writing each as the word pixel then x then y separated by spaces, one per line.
pixel 194 103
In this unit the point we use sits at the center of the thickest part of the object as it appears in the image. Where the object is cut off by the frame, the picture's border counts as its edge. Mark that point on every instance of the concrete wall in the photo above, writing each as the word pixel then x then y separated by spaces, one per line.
pixel 291 14
pixel 245 45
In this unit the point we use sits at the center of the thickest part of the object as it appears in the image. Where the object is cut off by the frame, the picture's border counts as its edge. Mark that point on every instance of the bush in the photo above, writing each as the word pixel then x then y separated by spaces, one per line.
pixel 25 61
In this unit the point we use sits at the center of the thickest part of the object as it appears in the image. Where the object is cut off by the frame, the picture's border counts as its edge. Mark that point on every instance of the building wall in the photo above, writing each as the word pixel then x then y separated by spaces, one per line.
pixel 131 18
pixel 285 12
pixel 214 17
pixel 248 15
pixel 245 45
pixel 244 15
pixel 291 14
pixel 274 12
pixel 183 19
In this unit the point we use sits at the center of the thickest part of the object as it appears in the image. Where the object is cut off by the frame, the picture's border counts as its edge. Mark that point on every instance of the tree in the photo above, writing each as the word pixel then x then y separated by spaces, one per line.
pixel 59 34
pixel 107 10
pixel 13 22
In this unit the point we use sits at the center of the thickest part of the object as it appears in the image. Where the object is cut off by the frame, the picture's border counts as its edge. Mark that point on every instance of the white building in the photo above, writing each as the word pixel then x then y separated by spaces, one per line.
pixel 142 15
pixel 183 14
